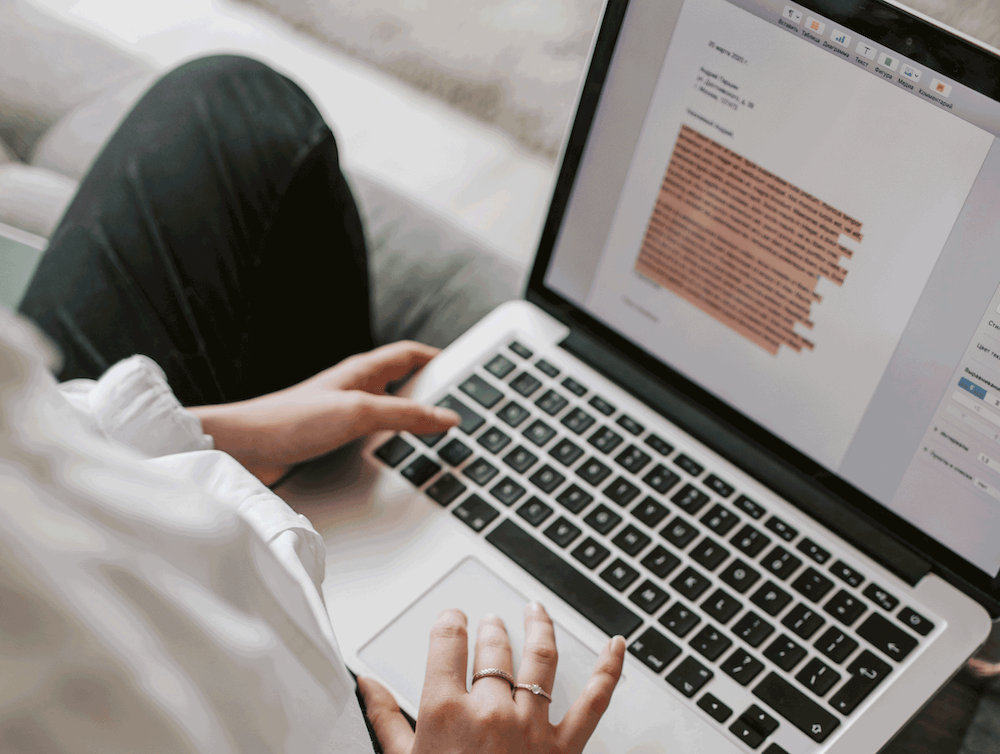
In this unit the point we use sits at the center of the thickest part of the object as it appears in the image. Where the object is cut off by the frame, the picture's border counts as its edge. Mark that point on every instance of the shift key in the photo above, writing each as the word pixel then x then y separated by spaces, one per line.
pixel 796 707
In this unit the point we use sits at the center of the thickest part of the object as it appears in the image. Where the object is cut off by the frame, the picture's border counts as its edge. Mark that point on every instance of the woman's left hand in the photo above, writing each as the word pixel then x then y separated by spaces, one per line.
pixel 270 434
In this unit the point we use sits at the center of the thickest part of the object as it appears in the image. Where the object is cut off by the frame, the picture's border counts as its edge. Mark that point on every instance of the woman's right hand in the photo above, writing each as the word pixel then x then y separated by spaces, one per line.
pixel 487 719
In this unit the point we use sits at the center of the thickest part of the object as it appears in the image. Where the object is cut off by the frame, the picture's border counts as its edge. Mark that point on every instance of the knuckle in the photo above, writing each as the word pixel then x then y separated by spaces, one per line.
pixel 449 630
pixel 543 654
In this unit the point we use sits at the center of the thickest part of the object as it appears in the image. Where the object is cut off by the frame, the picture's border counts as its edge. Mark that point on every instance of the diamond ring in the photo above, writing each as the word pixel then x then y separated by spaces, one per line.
pixel 534 688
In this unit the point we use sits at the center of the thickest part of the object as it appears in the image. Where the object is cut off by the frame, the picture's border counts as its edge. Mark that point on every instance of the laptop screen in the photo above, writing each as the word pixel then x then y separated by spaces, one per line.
pixel 797 210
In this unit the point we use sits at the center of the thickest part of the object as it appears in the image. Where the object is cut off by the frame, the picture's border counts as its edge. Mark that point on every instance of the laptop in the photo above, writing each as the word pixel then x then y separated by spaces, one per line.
pixel 748 415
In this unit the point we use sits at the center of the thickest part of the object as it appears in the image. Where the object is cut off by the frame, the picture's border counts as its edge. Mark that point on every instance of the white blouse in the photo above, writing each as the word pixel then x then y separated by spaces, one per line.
pixel 154 595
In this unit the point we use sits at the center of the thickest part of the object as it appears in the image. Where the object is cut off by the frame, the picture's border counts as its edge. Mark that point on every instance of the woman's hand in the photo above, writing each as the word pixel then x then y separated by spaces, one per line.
pixel 270 434
pixel 487 720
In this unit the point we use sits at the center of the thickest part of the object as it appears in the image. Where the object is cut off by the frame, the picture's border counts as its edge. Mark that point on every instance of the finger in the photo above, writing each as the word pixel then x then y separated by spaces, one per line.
pixel 578 725
pixel 448 656
pixel 391 728
pixel 373 413
pixel 373 370
pixel 538 665
pixel 493 651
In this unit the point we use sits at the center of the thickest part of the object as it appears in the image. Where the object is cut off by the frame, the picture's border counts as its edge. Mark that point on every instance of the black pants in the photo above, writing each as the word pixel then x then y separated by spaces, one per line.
pixel 215 234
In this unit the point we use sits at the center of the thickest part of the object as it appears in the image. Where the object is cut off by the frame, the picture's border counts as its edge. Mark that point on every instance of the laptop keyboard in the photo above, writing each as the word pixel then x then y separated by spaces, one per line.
pixel 645 541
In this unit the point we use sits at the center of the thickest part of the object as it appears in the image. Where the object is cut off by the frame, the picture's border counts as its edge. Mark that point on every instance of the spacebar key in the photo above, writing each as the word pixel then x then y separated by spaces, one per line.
pixel 796 707
pixel 590 600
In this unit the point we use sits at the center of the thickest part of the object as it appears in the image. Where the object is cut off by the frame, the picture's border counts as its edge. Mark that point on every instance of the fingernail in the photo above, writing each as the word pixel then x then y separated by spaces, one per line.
pixel 536 607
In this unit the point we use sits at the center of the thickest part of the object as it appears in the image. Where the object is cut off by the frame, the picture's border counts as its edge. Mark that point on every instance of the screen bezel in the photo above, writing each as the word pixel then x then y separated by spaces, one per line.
pixel 893 28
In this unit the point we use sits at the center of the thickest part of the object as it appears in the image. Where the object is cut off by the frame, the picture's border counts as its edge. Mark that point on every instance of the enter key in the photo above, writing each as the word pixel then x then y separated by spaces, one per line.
pixel 867 672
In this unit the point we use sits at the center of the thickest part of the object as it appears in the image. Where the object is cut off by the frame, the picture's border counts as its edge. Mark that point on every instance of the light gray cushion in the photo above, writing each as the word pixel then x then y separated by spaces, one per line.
pixel 430 282
pixel 33 199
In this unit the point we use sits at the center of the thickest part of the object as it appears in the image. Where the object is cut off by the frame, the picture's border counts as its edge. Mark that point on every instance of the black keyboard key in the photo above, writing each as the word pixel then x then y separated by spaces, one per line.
pixel 622 491
pixel 720 520
pixel 574 499
pixel 679 619
pixel 715 709
pixel 772 599
pixel 605 439
pixel 689 465
pixel 661 562
pixel 591 553
pixel 710 642
pixel 481 391
pixel 420 470
pixel 590 600
pixel 546 368
pixel 749 507
pixel 689 677
pixel 630 425
pixel 593 471
pixel 562 531
pixel 867 672
pixel 471 421
pixel 721 606
pixel 500 366
pixel 760 720
pixel 660 445
pixel 742 667
pixel 796 707
pixel 578 421
pixel 750 541
pixel 752 629
pixel 632 459
pixel 574 387
pixel 679 533
pixel 603 519
pixel 546 479
pixel 718 486
pixel 480 471
pixel 774 749
pixel 785 653
pixel 845 607
pixel 812 585
pixel 493 440
pixel 476 512
pixel 709 553
pixel 513 414
pixel 747 733
pixel 691 584
pixel 739 576
pixel 881 597
pixel 690 499
pixel 620 574
pixel 520 350
pixel 525 384
pixel 566 452
pixel 431 440
pixel 507 491
pixel 781 562
pixel 915 621
pixel 782 529
pixel 661 479
pixel 393 451
pixel 844 572
pixel 534 511
pixel 539 432
pixel 654 650
pixel 551 402
pixel 454 452
pixel 602 405
pixel 445 490
pixel 813 550
pixel 520 459
pixel 817 676
pixel 650 512
pixel 835 644
pixel 649 596
pixel 803 621
pixel 887 637
pixel 631 540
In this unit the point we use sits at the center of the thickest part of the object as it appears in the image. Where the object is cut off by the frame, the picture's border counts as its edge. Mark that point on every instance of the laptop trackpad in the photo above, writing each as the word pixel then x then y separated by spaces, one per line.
pixel 398 653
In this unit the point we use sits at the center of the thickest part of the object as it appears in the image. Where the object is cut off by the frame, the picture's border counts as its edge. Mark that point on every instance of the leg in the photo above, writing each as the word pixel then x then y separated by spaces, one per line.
pixel 216 234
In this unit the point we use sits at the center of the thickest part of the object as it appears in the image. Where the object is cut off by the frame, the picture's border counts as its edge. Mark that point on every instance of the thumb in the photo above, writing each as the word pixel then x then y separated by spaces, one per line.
pixel 393 732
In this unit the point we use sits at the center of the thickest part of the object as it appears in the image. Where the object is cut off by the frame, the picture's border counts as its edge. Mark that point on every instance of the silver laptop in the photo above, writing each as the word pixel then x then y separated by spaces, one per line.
pixel 749 414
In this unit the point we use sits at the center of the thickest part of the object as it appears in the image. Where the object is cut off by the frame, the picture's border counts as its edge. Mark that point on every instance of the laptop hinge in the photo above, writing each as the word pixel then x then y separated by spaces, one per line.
pixel 742 451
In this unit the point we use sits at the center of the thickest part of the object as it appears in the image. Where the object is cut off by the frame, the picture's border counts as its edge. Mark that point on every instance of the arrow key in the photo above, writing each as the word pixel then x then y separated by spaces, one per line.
pixel 746 733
